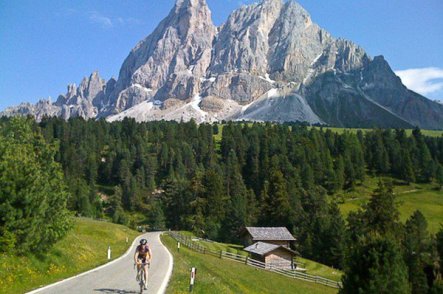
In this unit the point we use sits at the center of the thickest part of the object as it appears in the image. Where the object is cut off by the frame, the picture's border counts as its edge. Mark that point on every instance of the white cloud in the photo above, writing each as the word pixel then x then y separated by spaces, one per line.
pixel 103 21
pixel 107 22
pixel 98 18
pixel 424 81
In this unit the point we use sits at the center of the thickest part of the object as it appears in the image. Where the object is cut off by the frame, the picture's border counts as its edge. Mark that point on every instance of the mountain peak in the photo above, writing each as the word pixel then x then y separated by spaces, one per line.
pixel 190 3
pixel 189 16
pixel 272 2
pixel 269 62
pixel 165 61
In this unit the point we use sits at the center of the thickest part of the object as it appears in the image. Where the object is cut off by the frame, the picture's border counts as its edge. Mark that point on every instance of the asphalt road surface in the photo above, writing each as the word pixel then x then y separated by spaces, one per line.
pixel 119 277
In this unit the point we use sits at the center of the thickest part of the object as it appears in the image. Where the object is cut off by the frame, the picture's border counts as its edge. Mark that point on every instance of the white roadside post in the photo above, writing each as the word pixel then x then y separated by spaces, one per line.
pixel 193 273
pixel 109 252
pixel 178 246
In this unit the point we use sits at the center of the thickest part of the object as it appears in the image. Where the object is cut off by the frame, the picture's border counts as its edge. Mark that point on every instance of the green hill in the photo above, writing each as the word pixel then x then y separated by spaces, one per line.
pixel 430 133
pixel 215 275
pixel 411 197
pixel 90 239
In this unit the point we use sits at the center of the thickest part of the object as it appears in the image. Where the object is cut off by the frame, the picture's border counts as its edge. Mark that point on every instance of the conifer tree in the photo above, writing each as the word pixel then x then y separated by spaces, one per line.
pixel 339 167
pixel 416 244
pixel 375 266
pixel 279 208
pixel 33 194
pixel 334 237
pixel 382 214
pixel 236 214
pixel 439 176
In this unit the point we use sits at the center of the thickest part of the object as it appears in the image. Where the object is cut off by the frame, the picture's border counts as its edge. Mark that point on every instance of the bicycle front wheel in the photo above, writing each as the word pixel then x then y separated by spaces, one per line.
pixel 142 281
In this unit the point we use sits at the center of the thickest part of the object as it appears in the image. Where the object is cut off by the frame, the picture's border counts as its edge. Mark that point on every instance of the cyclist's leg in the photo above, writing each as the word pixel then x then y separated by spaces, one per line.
pixel 145 266
pixel 138 278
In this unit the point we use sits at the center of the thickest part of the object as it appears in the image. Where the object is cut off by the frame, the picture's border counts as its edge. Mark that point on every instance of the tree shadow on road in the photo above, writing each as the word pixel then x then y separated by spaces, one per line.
pixel 115 291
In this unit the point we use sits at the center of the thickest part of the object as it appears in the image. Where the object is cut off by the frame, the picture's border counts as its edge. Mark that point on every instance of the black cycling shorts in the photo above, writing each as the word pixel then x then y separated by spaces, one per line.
pixel 142 259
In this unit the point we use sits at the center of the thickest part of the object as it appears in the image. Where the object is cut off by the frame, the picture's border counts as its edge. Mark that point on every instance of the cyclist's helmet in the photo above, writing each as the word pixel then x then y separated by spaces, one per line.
pixel 143 241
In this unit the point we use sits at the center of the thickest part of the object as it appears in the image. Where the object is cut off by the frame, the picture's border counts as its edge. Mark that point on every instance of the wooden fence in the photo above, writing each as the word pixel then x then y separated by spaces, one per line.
pixel 188 242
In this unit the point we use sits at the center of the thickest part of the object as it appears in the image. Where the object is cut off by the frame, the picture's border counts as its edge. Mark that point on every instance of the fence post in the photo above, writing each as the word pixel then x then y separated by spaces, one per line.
pixel 221 253
pixel 246 260
pixel 191 285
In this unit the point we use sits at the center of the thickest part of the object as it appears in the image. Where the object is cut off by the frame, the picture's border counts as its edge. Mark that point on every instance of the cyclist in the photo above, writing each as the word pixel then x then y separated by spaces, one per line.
pixel 142 257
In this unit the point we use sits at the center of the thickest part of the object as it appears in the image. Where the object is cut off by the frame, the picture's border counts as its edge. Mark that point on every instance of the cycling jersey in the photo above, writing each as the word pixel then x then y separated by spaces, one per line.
pixel 143 251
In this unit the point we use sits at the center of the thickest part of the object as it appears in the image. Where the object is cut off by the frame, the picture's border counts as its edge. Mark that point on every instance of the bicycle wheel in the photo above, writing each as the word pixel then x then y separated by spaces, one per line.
pixel 142 281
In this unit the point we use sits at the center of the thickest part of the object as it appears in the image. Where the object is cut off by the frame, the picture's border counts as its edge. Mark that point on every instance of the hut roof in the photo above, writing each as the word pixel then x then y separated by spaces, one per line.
pixel 262 248
pixel 270 234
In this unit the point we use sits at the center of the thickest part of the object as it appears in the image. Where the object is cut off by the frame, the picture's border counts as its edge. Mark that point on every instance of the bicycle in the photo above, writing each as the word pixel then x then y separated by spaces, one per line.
pixel 141 275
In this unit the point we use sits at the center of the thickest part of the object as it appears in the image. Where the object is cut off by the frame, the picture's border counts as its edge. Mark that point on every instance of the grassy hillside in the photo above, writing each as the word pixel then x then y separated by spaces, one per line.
pixel 318 269
pixel 216 275
pixel 423 197
pixel 430 133
pixel 85 247
pixel 211 245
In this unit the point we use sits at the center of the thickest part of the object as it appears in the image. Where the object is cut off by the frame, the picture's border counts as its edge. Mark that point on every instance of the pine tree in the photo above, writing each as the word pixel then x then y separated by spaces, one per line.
pixel 339 167
pixel 406 170
pixel 115 204
pixel 236 214
pixel 416 244
pixel 279 209
pixel 307 176
pixel 157 220
pixel 335 237
pixel 439 176
pixel 33 195
pixel 375 266
pixel 382 214
pixel 350 174
pixel 176 205
pixel 215 210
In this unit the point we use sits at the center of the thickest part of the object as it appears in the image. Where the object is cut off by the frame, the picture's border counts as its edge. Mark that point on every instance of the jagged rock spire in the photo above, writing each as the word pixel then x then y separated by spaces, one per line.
pixel 166 61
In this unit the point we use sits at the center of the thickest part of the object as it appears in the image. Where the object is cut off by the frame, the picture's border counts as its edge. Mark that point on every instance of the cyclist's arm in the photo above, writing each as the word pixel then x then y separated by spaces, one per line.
pixel 135 256
pixel 150 254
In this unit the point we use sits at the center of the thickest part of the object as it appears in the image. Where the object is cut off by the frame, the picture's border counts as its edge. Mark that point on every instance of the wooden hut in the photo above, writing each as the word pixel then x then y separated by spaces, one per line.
pixel 274 256
pixel 271 245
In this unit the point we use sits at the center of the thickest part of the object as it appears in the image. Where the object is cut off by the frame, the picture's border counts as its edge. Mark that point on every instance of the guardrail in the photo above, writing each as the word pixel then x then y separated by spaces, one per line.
pixel 188 242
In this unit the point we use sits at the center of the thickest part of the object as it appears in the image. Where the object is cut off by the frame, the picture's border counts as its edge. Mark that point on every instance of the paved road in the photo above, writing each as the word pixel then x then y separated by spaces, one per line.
pixel 119 277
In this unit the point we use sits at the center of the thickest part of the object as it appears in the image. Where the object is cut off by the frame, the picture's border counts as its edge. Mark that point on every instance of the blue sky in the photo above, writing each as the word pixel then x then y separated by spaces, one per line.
pixel 47 44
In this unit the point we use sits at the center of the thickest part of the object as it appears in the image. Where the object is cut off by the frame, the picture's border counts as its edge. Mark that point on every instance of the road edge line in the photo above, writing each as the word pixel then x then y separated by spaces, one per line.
pixel 167 278
pixel 87 272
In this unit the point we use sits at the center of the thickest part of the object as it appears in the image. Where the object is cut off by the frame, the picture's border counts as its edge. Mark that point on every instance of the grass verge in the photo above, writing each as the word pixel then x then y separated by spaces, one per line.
pixel 84 248
pixel 215 275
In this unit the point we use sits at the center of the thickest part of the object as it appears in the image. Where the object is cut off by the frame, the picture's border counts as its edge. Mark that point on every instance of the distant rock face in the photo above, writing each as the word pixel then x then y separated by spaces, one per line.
pixel 268 62
pixel 167 64
pixel 85 101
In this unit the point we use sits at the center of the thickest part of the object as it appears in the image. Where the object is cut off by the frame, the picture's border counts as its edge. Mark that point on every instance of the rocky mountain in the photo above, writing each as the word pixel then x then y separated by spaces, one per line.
pixel 268 62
